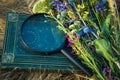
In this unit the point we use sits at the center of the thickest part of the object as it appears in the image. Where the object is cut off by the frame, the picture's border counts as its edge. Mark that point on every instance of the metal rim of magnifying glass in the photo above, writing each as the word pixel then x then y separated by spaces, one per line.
pixel 29 48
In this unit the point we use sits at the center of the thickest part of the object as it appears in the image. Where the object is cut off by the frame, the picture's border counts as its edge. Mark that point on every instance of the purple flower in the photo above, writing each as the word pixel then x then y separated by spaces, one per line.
pixel 59 6
pixel 100 7
pixel 111 78
pixel 63 4
pixel 72 52
pixel 69 42
pixel 93 49
pixel 76 36
pixel 66 36
pixel 56 3
pixel 106 70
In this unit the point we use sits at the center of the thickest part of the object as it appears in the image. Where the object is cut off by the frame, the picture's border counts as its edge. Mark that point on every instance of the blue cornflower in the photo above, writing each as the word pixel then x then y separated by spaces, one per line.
pixel 55 3
pixel 59 6
pixel 63 4
pixel 100 7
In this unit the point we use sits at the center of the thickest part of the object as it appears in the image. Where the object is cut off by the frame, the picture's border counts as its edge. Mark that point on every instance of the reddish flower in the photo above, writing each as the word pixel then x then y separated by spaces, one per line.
pixel 69 42
pixel 66 36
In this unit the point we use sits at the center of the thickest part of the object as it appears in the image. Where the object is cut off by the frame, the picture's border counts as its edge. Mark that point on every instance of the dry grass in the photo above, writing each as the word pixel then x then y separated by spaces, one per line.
pixel 32 75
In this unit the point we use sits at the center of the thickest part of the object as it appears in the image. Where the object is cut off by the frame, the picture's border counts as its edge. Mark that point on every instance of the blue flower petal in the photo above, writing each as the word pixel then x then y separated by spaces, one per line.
pixel 100 7
pixel 56 3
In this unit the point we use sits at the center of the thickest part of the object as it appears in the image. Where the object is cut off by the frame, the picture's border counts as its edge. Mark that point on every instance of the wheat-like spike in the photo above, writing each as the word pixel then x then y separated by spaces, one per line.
pixel 115 13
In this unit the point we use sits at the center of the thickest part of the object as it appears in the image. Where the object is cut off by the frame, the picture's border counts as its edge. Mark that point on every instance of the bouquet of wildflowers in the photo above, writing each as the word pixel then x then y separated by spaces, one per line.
pixel 92 29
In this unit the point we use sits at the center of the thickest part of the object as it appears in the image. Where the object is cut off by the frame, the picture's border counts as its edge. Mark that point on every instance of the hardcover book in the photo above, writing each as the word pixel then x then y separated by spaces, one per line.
pixel 15 55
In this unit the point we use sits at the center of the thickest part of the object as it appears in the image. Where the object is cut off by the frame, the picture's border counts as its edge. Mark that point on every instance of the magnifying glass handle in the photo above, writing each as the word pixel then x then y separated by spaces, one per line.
pixel 77 62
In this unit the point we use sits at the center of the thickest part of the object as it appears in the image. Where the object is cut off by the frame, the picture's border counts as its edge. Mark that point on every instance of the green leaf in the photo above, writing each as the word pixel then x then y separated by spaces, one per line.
pixel 103 48
pixel 105 26
pixel 42 6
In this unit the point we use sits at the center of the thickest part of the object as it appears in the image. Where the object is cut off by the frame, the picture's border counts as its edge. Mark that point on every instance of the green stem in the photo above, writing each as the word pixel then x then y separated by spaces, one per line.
pixel 81 19
pixel 92 65
pixel 64 29
pixel 97 71
pixel 84 52
pixel 96 17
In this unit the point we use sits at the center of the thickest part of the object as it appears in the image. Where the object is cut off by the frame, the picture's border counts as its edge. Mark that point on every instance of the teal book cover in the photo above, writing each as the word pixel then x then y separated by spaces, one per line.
pixel 15 55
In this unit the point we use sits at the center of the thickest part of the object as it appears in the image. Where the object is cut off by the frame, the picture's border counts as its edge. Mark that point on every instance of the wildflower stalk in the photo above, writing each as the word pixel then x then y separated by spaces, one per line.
pixel 83 52
pixel 114 10
pixel 90 63
pixel 79 14
pixel 105 33
pixel 62 27
pixel 81 19
pixel 95 12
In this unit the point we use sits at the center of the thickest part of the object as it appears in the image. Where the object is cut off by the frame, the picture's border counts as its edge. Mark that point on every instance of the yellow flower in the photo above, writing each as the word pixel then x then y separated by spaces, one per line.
pixel 70 14
pixel 85 14
pixel 78 6
pixel 82 6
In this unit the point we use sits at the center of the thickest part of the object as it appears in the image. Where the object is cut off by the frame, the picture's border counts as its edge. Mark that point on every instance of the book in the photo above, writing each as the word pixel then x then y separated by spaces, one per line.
pixel 15 55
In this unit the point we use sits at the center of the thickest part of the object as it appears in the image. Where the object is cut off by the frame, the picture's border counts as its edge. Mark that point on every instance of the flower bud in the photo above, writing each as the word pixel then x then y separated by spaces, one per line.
pixel 72 26
pixel 76 23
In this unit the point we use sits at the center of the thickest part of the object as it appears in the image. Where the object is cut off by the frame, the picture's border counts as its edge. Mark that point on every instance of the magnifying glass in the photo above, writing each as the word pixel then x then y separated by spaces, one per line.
pixel 39 34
